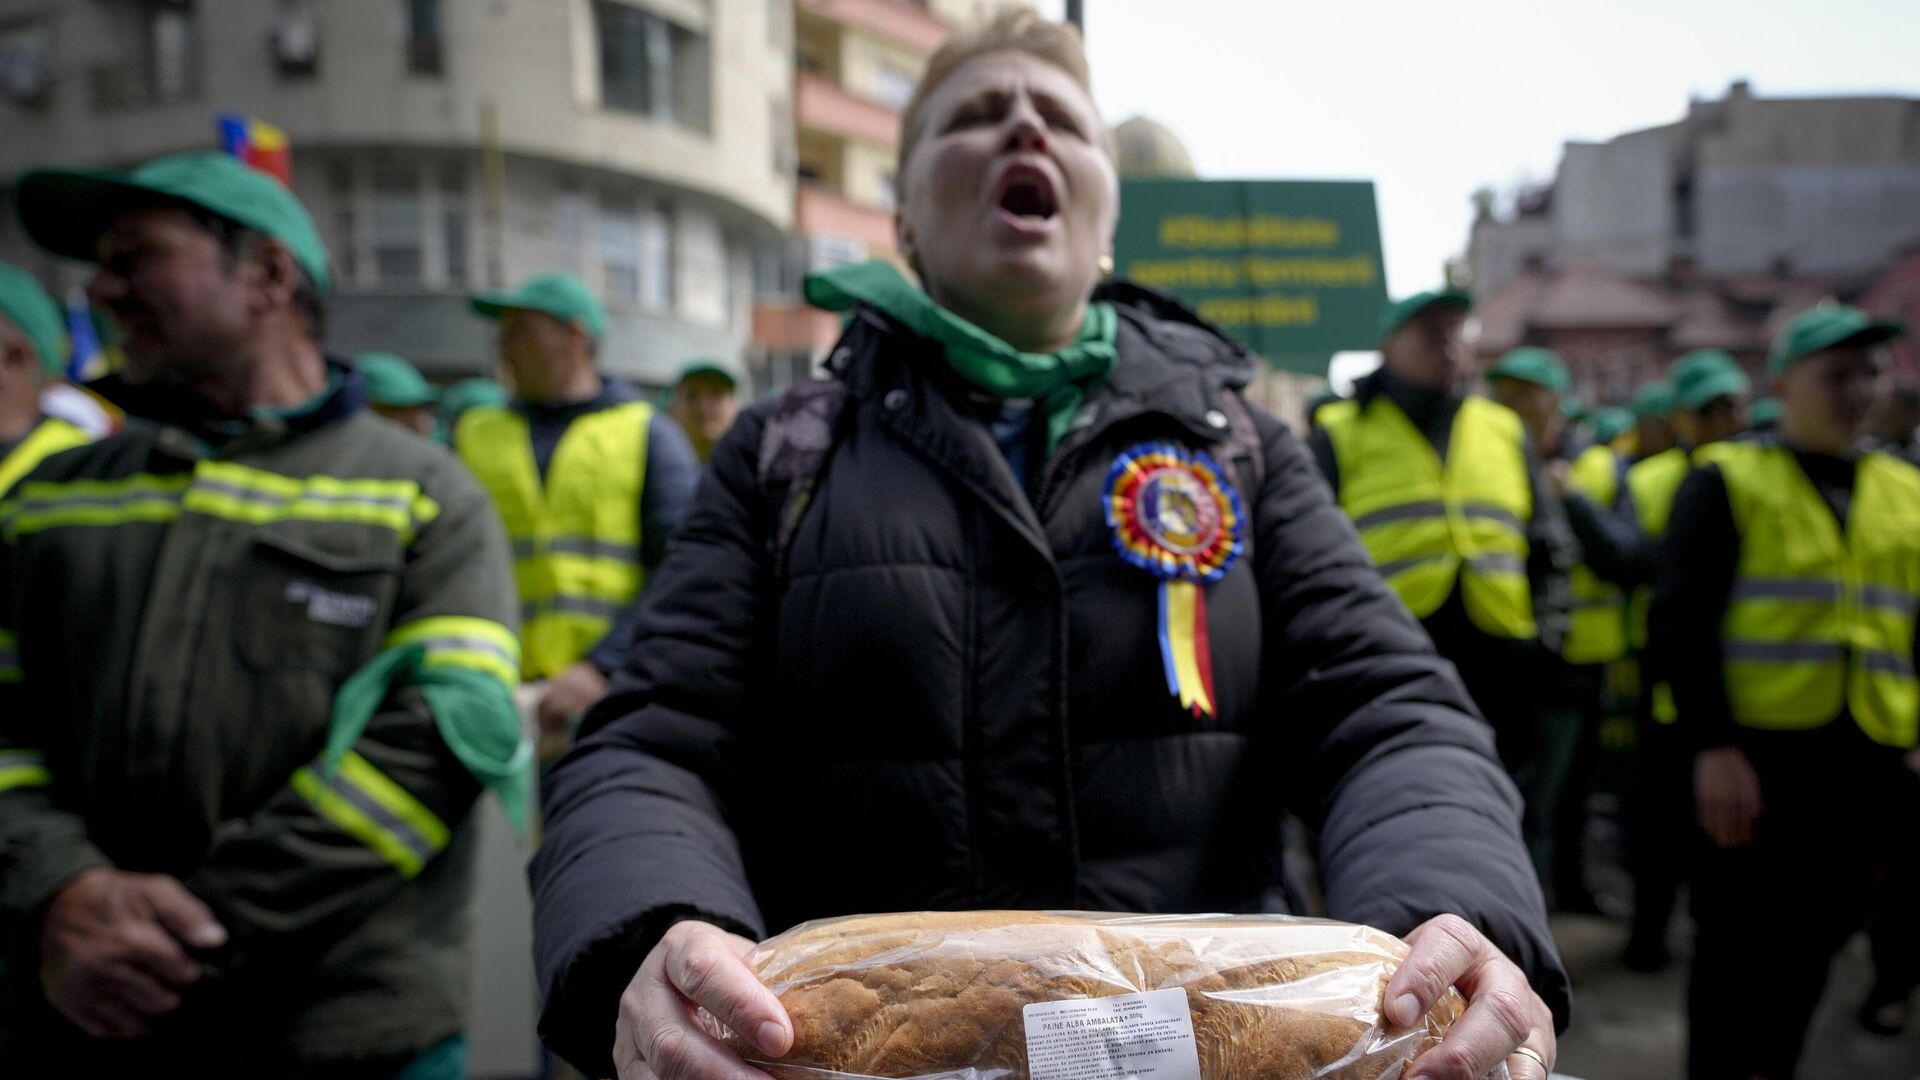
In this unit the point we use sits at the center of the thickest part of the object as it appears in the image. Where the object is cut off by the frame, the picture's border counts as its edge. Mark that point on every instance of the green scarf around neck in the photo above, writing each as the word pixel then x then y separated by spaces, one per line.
pixel 1057 382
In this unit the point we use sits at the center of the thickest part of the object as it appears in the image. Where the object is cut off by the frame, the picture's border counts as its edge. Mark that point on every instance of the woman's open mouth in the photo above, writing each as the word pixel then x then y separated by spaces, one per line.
pixel 1026 199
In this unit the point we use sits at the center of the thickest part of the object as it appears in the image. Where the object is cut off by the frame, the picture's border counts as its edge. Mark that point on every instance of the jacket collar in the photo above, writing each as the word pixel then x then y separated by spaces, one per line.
pixel 209 434
pixel 1171 365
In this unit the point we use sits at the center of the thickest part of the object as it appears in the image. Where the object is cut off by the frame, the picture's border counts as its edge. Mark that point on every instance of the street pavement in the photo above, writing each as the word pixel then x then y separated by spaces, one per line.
pixel 1629 1026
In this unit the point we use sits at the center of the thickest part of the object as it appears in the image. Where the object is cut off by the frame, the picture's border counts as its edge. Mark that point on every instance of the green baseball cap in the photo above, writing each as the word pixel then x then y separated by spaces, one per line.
pixel 471 393
pixel 1399 314
pixel 562 296
pixel 1764 413
pixel 1611 422
pixel 707 367
pixel 1533 365
pixel 66 211
pixel 1654 401
pixel 1572 409
pixel 28 307
pixel 393 382
pixel 1824 327
pixel 1705 374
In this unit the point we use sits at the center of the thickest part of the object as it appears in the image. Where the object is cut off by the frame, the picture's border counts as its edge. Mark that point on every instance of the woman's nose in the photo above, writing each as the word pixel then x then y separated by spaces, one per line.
pixel 1025 130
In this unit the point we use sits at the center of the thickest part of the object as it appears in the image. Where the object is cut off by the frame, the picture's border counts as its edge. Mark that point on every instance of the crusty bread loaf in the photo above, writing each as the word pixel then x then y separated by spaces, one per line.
pixel 925 994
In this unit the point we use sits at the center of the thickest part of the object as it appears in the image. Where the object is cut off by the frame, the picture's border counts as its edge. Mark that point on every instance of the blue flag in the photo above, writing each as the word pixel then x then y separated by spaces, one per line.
pixel 89 361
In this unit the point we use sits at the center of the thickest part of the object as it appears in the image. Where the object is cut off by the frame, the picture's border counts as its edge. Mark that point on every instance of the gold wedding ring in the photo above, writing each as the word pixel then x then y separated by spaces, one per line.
pixel 1534 1055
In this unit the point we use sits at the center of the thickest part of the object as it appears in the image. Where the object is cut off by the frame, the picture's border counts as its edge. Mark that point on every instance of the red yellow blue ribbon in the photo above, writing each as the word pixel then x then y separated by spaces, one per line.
pixel 1174 516
pixel 1184 650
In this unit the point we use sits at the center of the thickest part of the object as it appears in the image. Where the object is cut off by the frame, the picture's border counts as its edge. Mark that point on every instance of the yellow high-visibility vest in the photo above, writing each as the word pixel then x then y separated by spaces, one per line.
pixel 1598 632
pixel 1428 524
pixel 1653 483
pixel 48 438
pixel 1820 619
pixel 576 539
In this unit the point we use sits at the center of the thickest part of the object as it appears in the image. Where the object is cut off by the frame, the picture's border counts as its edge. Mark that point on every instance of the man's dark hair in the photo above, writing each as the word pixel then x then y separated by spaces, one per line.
pixel 237 240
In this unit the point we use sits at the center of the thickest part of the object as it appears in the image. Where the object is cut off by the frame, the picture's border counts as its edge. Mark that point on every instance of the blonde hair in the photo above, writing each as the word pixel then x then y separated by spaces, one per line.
pixel 1012 29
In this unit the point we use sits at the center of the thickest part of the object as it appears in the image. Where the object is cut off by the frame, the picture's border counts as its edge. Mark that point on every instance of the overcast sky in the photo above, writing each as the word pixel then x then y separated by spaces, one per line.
pixel 1433 100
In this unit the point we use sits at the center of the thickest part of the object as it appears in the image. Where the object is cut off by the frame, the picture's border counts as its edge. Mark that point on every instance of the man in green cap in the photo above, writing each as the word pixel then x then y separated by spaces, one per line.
pixel 396 390
pixel 1534 382
pixel 1450 501
pixel 256 663
pixel 1652 408
pixel 705 403
pixel 1709 389
pixel 33 352
pixel 1785 613
pixel 590 483
pixel 466 394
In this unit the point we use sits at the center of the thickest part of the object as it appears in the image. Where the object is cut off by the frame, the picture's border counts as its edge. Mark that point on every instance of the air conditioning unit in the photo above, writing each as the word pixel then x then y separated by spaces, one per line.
pixel 295 44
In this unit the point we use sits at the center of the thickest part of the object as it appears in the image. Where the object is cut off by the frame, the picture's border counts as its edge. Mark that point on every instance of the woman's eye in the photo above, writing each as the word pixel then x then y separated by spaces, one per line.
pixel 1063 122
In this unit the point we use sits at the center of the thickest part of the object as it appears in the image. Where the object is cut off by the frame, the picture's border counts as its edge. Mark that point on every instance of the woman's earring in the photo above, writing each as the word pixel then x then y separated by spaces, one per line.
pixel 1106 265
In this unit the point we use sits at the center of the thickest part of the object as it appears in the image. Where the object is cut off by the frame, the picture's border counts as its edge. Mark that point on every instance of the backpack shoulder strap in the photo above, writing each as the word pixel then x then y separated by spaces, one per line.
pixel 1242 452
pixel 1241 449
pixel 794 447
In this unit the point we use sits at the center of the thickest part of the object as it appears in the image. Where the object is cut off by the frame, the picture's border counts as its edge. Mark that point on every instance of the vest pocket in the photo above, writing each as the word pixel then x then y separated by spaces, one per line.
pixel 307 605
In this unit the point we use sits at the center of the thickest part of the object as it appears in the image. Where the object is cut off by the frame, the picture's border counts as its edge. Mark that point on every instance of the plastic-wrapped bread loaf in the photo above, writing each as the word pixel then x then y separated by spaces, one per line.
pixel 947 995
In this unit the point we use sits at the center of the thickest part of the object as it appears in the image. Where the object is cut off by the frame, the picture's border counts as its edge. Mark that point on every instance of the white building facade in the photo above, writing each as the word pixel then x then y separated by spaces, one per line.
pixel 445 146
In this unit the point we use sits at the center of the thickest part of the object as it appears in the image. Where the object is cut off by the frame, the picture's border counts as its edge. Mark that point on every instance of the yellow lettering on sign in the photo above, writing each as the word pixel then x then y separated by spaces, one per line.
pixel 1258 231
pixel 1275 310
pixel 1189 273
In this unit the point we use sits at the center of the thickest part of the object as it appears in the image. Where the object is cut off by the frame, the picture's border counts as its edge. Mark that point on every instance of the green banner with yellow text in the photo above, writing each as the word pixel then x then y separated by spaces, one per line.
pixel 1291 268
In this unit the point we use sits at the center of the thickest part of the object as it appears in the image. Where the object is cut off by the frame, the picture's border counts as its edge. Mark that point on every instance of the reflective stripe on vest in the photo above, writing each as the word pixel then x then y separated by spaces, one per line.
pixel 1819 621
pixel 576 538
pixel 1598 632
pixel 1427 524
pixel 48 438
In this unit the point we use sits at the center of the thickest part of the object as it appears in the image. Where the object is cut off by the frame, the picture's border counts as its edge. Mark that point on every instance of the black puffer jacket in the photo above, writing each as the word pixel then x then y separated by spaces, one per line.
pixel 953 699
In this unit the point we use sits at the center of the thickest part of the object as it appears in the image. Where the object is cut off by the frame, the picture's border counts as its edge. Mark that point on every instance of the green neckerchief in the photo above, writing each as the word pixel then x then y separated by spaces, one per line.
pixel 475 713
pixel 1057 382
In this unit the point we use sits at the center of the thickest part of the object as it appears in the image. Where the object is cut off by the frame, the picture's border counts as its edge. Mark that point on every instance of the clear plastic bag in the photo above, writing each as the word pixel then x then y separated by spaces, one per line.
pixel 963 996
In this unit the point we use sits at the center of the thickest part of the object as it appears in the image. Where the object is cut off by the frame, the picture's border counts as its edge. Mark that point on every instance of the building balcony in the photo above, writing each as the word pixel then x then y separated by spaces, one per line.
pixel 898 21
pixel 822 211
pixel 821 105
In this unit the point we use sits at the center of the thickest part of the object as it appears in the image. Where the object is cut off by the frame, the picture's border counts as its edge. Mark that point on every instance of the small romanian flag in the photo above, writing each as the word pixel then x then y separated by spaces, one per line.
pixel 89 360
pixel 259 144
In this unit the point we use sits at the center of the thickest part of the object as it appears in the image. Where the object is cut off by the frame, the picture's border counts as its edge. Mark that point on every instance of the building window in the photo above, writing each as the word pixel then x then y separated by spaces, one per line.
pixel 453 222
pixel 786 155
pixel 570 229
pixel 423 37
pixel 295 41
pixel 397 226
pixel 889 191
pixel 26 62
pixel 343 193
pixel 656 258
pixel 619 237
pixel 893 86
pixel 651 66
pixel 165 66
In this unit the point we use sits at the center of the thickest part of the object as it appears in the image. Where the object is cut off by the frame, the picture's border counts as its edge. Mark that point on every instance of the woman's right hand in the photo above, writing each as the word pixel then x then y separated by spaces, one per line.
pixel 696 965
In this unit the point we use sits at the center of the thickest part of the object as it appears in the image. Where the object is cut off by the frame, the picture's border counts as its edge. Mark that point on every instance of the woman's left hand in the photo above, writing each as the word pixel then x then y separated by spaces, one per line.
pixel 1503 1013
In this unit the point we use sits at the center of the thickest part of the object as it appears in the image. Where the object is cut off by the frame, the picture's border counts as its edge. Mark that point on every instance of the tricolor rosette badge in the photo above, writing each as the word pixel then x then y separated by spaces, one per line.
pixel 1174 515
